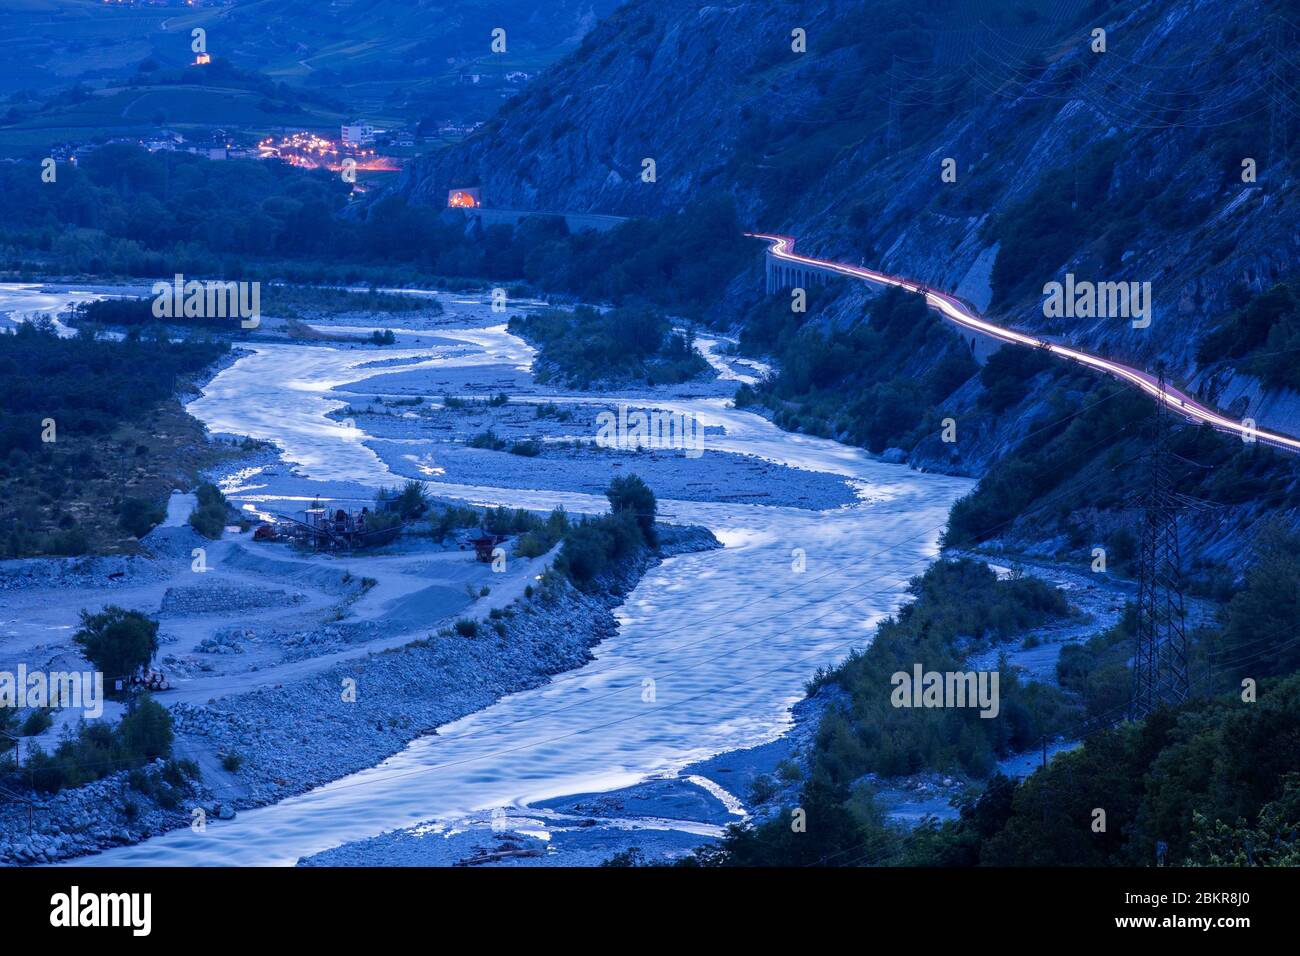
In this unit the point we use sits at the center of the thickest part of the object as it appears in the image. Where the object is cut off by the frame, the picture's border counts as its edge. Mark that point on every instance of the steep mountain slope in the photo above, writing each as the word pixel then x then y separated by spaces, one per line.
pixel 1132 164
pixel 1122 165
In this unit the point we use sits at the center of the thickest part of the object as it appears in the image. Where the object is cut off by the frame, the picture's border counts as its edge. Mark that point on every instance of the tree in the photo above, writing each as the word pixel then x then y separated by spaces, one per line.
pixel 413 500
pixel 209 518
pixel 117 641
pixel 1261 618
pixel 8 722
pixel 1275 841
pixel 146 730
pixel 630 493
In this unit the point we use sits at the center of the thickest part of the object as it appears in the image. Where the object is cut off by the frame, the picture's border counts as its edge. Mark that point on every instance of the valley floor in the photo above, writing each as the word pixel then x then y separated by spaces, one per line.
pixel 259 645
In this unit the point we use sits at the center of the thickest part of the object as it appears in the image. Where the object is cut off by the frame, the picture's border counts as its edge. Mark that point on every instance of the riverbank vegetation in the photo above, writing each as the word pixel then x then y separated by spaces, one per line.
pixel 92 440
pixel 211 511
pixel 862 385
pixel 1210 782
pixel 123 211
pixel 588 348
pixel 590 545
pixel 959 608
pixel 98 749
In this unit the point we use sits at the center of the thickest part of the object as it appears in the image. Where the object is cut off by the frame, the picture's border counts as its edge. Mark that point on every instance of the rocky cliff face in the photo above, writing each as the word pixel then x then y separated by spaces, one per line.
pixel 1117 165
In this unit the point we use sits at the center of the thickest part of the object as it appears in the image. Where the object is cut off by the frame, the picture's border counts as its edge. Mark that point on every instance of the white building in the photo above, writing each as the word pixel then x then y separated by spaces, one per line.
pixel 358 134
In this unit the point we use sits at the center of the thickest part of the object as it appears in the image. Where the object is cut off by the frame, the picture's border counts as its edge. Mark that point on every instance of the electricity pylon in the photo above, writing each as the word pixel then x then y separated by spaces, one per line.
pixel 1160 655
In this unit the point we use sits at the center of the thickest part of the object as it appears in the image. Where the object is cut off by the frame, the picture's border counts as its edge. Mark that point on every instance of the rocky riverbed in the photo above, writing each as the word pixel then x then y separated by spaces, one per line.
pixel 291 737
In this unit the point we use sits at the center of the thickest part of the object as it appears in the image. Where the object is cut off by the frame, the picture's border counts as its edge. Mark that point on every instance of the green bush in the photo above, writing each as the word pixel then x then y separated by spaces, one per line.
pixel 96 750
pixel 136 516
pixel 487 439
pixel 37 722
pixel 1260 623
pixel 531 544
pixel 593 544
pixel 146 729
pixel 209 517
pixel 452 517
pixel 1007 374
pixel 629 493
pixel 1267 321
pixel 117 641
pixel 411 501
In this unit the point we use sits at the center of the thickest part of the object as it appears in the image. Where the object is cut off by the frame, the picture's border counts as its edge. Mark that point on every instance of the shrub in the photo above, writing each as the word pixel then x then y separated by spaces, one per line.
pixel 487 439
pixel 466 627
pixel 37 722
pixel 146 730
pixel 763 789
pixel 96 750
pixel 1007 374
pixel 1260 621
pixel 411 502
pixel 209 518
pixel 136 516
pixel 532 544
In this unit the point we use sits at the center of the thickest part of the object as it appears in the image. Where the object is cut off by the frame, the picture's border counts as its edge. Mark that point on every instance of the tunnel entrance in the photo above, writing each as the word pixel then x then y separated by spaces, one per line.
pixel 463 198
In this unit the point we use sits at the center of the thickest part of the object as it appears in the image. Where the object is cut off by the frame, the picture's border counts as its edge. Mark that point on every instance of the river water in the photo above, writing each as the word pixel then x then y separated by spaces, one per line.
pixel 713 647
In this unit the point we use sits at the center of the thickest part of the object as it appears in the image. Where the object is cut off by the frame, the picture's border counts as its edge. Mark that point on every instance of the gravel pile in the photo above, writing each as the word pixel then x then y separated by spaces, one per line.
pixel 29 574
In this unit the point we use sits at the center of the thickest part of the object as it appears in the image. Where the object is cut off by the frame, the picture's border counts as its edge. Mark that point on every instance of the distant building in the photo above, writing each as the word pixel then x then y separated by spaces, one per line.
pixel 209 152
pixel 358 134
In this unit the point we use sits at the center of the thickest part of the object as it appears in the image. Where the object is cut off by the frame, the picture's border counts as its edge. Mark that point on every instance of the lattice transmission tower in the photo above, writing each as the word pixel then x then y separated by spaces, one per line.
pixel 1160 673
